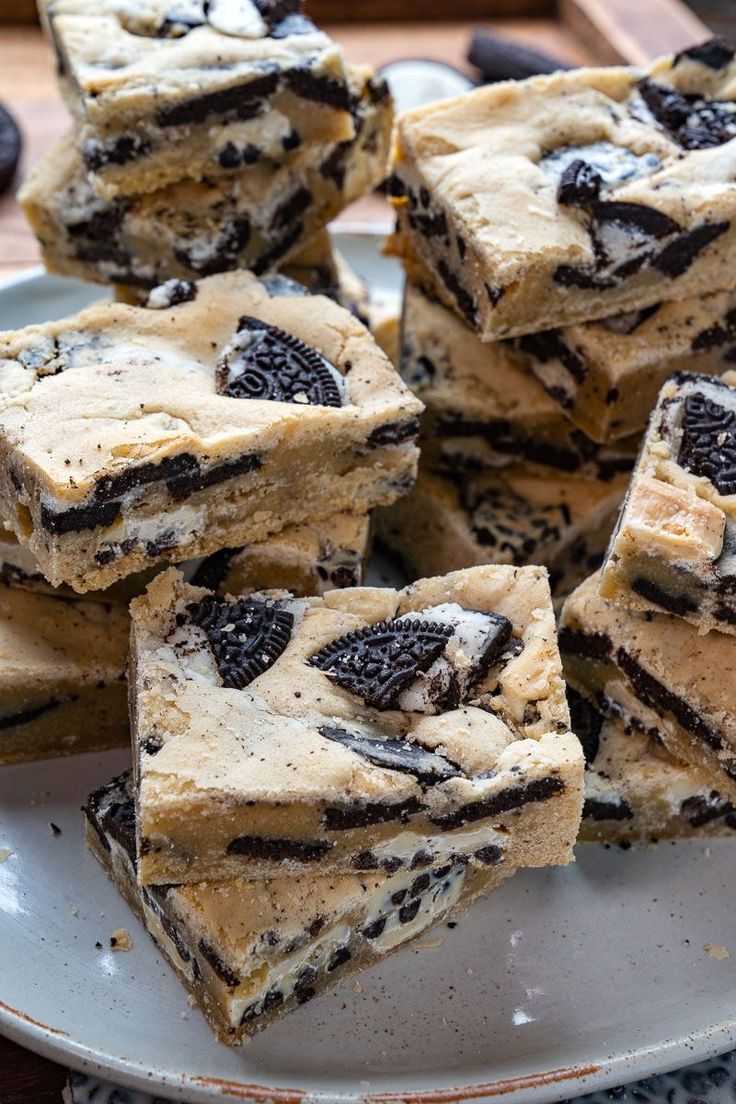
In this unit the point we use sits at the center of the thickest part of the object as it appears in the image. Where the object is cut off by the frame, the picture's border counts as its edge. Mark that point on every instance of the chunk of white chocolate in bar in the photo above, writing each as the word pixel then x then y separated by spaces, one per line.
pixel 485 408
pixel 62 676
pixel 305 559
pixel 251 951
pixel 368 729
pixel 656 671
pixel 636 790
pixel 674 547
pixel 517 517
pixel 534 204
pixel 131 435
pixel 230 98
pixel 606 374
pixel 258 217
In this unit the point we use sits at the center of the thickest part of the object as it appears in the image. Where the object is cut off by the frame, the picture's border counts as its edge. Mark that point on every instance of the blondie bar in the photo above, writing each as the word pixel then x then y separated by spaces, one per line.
pixel 62 676
pixel 636 790
pixel 256 218
pixel 485 408
pixel 675 544
pixel 369 729
pixel 166 92
pixel 513 517
pixel 533 204
pixel 251 951
pixel 305 559
pixel 657 672
pixel 606 374
pixel 134 434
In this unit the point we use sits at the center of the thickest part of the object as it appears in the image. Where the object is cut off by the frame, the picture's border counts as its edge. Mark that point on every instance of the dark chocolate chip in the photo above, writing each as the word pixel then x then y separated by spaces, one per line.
pixel 380 661
pixel 708 446
pixel 267 363
pixel 400 755
pixel 279 850
pixel 246 636
pixel 580 185
pixel 598 809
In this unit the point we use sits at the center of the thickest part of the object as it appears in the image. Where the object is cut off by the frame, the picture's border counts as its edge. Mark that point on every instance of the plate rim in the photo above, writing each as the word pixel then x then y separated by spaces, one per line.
pixel 536 1087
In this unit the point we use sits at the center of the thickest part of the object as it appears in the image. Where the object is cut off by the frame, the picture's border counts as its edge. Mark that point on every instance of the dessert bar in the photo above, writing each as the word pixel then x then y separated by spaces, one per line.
pixel 368 729
pixel 251 951
pixel 658 673
pixel 256 218
pixel 512 517
pixel 129 434
pixel 62 676
pixel 606 374
pixel 532 204
pixel 636 790
pixel 675 544
pixel 485 408
pixel 165 92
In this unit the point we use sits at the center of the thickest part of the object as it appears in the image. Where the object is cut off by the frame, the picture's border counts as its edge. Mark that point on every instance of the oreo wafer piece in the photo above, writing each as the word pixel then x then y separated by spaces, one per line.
pixel 400 755
pixel 10 148
pixel 500 59
pixel 380 661
pixel 265 362
pixel 709 442
pixel 246 636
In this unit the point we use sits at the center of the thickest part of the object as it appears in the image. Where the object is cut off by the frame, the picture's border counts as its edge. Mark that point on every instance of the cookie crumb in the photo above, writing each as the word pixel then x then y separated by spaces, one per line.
pixel 715 950
pixel 55 829
pixel 5 854
pixel 120 940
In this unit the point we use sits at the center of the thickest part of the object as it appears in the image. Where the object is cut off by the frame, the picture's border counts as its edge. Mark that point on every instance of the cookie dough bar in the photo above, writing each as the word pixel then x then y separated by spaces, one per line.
pixel 636 790
pixel 62 676
pixel 484 406
pixel 606 374
pixel 675 544
pixel 305 559
pixel 533 204
pixel 514 517
pixel 129 435
pixel 256 218
pixel 366 730
pixel 252 951
pixel 166 92
pixel 657 672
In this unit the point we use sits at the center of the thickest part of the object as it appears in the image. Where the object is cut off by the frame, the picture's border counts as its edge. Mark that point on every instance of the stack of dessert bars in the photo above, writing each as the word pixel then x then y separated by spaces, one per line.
pixel 206 137
pixel 568 244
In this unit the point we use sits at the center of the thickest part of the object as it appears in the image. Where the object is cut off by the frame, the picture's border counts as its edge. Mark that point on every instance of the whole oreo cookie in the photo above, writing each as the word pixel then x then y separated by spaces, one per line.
pixel 709 442
pixel 10 148
pixel 265 362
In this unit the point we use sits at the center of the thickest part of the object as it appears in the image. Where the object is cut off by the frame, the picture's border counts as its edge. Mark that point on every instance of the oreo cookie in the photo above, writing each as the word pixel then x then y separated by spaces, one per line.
pixel 580 185
pixel 708 446
pixel 246 636
pixel 380 661
pixel 400 755
pixel 586 723
pixel 691 120
pixel 267 363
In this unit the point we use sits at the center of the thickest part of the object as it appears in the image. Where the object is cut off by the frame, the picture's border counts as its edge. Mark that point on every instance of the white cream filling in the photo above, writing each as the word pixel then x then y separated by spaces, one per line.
pixel 184 523
pixel 406 844
pixel 473 632
pixel 236 17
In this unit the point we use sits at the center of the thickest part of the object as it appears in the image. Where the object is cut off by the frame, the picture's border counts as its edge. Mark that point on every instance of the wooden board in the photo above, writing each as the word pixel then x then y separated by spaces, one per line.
pixel 632 31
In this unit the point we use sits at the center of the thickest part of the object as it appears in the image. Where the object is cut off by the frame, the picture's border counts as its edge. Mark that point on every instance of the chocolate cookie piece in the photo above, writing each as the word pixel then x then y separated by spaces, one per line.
pixel 265 362
pixel 426 766
pixel 708 446
pixel 246 636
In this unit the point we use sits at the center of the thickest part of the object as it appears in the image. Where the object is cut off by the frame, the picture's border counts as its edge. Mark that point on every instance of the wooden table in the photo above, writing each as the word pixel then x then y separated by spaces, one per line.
pixel 28 86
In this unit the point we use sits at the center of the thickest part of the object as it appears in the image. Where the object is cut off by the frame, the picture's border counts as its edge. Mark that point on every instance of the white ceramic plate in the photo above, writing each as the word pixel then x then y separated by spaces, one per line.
pixel 563 981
